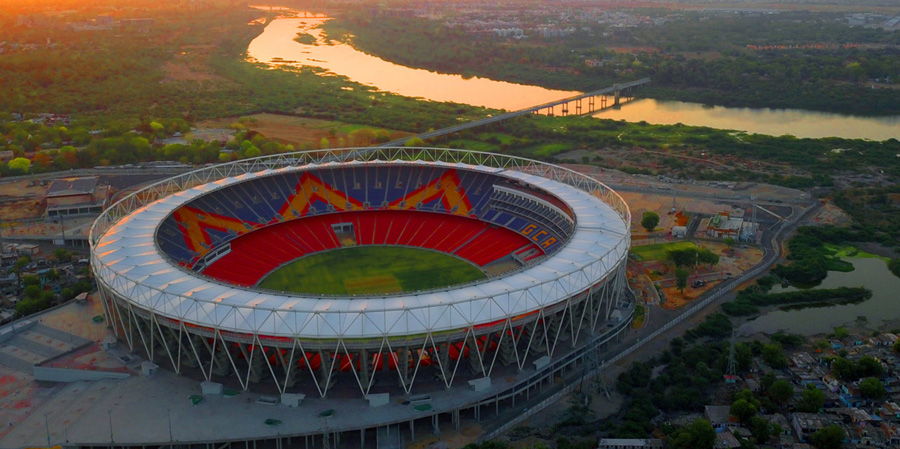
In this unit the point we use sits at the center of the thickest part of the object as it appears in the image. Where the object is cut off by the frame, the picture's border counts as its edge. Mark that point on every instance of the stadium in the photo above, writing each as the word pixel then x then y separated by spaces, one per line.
pixel 363 272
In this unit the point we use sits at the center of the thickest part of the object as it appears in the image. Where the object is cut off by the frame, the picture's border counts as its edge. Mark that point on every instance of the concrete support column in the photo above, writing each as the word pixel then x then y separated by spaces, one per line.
pixel 364 371
pixel 444 356
pixel 325 369
pixel 403 364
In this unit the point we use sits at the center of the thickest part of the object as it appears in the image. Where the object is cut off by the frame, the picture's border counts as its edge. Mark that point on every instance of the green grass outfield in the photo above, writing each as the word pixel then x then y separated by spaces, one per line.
pixel 371 270
pixel 658 251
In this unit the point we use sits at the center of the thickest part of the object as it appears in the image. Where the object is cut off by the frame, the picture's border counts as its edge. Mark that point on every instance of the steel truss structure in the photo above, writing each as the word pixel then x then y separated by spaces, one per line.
pixel 313 362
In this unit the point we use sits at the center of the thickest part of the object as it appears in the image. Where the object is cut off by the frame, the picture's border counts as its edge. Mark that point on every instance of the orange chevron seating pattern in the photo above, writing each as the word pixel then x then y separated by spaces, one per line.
pixel 195 224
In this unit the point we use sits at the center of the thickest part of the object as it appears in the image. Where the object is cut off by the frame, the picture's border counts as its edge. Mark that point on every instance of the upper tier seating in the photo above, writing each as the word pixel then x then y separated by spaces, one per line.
pixel 190 235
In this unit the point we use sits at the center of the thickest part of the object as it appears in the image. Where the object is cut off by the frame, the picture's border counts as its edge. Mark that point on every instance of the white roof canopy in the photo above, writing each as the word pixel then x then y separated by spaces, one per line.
pixel 128 262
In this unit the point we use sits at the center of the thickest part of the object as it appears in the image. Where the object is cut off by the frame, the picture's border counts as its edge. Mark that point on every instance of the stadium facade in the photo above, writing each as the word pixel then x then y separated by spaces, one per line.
pixel 178 265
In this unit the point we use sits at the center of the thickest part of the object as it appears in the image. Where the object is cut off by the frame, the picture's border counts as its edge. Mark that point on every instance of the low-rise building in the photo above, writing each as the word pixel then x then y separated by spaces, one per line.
pixel 630 443
pixel 75 196
pixel 806 424
pixel 719 416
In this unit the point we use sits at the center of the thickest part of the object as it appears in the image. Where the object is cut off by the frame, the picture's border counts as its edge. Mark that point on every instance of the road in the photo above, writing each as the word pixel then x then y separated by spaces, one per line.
pixel 648 341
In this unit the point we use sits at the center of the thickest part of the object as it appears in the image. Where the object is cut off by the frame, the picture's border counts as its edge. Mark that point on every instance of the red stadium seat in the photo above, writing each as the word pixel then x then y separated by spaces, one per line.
pixel 255 254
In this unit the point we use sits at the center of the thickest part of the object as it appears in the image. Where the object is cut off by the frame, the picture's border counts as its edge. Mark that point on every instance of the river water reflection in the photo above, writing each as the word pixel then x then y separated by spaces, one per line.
pixel 775 122
pixel 884 306
pixel 276 45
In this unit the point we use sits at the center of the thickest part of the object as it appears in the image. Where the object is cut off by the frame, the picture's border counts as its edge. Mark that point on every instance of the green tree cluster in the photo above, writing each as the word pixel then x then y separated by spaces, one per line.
pixel 811 400
pixel 649 220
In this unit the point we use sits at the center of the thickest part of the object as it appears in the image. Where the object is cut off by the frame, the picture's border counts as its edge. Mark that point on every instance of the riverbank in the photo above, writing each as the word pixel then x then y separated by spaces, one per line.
pixel 683 69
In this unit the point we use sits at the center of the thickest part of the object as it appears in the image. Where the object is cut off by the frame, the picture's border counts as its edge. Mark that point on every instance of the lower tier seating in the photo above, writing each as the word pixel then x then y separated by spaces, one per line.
pixel 255 254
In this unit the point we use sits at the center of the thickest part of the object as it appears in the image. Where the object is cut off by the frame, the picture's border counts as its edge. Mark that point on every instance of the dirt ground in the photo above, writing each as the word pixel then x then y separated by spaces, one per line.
pixel 449 439
pixel 735 261
pixel 299 131
pixel 831 214
pixel 23 200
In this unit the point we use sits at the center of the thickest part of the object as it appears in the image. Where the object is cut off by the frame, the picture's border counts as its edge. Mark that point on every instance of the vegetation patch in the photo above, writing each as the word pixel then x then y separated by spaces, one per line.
pixel 748 300
pixel 659 251
pixel 639 314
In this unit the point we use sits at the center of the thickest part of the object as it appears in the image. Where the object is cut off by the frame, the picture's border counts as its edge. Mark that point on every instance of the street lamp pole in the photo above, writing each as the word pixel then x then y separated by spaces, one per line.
pixel 47 426
pixel 109 413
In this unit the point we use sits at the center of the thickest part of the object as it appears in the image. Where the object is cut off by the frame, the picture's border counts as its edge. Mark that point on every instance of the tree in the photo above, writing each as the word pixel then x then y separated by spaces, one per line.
pixel 414 142
pixel 743 410
pixel 781 391
pixel 811 400
pixel 843 369
pixel 62 255
pixel 896 347
pixel 872 388
pixel 686 257
pixel 681 278
pixel 362 137
pixel 696 435
pixel 42 159
pixel 729 242
pixel 21 262
pixel 707 257
pixel 649 220
pixel 32 292
pixel 841 333
pixel 382 136
pixel 767 380
pixel 29 280
pixel 868 366
pixel 774 356
pixel 830 437
pixel 761 429
pixel 253 151
pixel 324 144
pixel 19 164
pixel 746 395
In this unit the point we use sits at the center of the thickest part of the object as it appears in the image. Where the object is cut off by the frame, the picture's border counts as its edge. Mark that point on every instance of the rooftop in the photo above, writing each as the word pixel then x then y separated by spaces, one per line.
pixel 72 186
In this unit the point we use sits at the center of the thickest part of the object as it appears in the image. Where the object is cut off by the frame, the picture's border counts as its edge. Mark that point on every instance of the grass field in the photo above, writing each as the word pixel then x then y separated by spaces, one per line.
pixel 371 270
pixel 658 251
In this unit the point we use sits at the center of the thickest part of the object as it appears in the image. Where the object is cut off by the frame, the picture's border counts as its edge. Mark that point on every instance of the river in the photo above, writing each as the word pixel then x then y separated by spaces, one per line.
pixel 884 306
pixel 277 41
pixel 276 45
pixel 776 122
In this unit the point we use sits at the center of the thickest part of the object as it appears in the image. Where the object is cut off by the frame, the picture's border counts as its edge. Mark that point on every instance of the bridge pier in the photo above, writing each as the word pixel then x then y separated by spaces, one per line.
pixel 591 103
pixel 565 109
pixel 578 106
pixel 618 94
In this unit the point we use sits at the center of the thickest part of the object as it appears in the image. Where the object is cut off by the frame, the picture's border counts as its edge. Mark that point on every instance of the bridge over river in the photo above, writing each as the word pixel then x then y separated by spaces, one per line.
pixel 600 96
